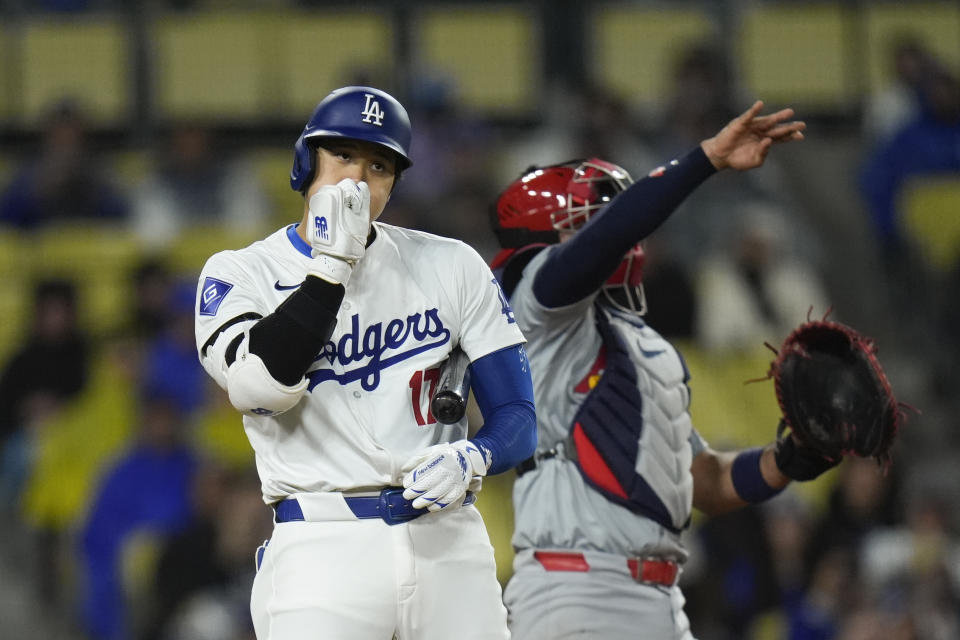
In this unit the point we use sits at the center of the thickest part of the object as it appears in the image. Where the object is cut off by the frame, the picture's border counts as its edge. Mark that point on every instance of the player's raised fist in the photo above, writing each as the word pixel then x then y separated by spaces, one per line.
pixel 337 229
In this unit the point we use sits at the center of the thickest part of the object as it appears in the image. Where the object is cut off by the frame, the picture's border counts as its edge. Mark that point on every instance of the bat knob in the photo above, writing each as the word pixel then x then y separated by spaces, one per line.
pixel 448 407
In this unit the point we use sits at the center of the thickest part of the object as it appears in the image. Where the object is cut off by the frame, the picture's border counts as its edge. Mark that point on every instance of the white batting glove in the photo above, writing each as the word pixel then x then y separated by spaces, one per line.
pixel 439 476
pixel 337 229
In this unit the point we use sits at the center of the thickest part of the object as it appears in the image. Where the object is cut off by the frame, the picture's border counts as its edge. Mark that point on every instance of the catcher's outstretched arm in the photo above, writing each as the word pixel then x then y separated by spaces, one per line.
pixel 581 265
pixel 578 267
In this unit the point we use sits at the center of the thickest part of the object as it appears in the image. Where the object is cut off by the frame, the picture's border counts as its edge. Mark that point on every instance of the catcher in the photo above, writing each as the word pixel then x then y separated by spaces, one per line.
pixel 600 508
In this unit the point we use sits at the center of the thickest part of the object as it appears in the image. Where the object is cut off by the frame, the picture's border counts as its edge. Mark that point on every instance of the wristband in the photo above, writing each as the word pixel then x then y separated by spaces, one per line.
pixel 747 478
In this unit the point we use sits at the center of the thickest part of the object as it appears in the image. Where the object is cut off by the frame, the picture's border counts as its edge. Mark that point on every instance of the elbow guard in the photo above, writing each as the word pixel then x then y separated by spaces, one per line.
pixel 253 391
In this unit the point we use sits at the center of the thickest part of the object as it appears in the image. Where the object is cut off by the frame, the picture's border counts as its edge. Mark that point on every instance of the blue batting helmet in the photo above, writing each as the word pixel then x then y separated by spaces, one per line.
pixel 357 113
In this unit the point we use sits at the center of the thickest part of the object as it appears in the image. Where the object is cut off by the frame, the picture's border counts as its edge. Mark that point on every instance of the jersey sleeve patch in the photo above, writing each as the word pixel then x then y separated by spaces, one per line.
pixel 212 294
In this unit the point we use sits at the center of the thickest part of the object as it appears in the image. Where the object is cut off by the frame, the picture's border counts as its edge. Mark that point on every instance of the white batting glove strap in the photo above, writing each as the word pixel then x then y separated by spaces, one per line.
pixel 333 270
pixel 339 220
pixel 439 477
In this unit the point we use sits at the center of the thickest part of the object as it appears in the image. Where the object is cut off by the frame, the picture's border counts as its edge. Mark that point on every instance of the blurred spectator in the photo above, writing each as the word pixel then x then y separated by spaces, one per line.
pixel 737 582
pixel 196 181
pixel 48 370
pixel 898 102
pixel 927 145
pixel 204 573
pixel 916 564
pixel 756 289
pixel 787 524
pixel 64 182
pixel 452 155
pixel 151 286
pixel 863 499
pixel 69 454
pixel 817 613
pixel 579 120
pixel 171 367
pixel 874 623
pixel 942 380
pixel 700 99
pixel 670 293
pixel 147 490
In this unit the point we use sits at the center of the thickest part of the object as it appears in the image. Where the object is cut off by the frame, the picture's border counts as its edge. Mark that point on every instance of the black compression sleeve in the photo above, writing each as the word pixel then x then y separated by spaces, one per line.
pixel 290 338
pixel 578 267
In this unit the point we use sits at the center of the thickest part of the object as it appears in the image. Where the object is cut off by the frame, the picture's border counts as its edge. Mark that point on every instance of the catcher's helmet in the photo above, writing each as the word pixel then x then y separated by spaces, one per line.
pixel 563 197
pixel 357 113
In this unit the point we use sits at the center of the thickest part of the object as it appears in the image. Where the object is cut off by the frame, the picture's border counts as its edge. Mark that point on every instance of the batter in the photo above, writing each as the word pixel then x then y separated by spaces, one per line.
pixel 328 336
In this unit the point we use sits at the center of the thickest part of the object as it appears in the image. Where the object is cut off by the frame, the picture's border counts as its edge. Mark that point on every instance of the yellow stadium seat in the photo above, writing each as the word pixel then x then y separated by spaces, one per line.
pixel 633 49
pixel 495 503
pixel 273 168
pixel 77 445
pixel 14 290
pixel 187 255
pixel 99 259
pixel 219 431
pixel 86 59
pixel 931 218
pixel 211 65
pixel 492 55
pixel 130 168
pixel 355 43
pixel 799 55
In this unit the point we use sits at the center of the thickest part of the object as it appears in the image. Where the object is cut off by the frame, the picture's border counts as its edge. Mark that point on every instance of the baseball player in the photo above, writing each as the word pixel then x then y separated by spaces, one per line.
pixel 600 507
pixel 329 335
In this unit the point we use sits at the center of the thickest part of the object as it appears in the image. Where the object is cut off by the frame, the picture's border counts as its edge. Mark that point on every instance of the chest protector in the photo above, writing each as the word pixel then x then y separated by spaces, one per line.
pixel 631 434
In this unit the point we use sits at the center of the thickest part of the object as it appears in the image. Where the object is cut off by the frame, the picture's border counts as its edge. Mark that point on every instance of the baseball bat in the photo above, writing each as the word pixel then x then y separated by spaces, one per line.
pixel 449 402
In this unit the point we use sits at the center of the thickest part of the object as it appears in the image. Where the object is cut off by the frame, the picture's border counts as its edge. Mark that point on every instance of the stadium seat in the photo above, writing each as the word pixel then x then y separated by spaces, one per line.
pixel 931 210
pixel 356 45
pixel 273 168
pixel 210 66
pixel 188 254
pixel 78 445
pixel 86 59
pixel 14 290
pixel 491 57
pixel 99 259
pixel 632 49
pixel 799 54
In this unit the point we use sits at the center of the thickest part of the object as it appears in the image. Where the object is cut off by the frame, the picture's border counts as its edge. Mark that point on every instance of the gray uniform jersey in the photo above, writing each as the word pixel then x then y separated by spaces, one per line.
pixel 554 506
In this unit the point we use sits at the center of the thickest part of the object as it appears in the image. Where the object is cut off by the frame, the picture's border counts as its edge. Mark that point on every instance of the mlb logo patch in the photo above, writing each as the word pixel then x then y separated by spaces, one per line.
pixel 212 294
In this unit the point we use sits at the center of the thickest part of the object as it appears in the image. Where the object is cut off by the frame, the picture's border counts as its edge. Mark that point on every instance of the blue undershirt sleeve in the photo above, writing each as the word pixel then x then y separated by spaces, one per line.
pixel 503 388
pixel 578 267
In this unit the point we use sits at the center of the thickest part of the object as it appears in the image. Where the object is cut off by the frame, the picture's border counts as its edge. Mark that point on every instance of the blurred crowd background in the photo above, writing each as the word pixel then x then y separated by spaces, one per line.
pixel 138 138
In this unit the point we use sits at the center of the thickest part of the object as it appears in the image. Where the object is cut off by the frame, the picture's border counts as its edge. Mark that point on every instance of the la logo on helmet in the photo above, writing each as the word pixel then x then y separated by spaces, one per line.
pixel 372 113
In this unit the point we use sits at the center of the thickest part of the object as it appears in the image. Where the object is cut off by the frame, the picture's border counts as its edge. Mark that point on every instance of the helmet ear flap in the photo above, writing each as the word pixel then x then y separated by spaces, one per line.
pixel 304 164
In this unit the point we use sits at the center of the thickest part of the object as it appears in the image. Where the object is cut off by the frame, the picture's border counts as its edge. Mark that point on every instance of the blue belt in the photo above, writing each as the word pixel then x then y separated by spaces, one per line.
pixel 390 506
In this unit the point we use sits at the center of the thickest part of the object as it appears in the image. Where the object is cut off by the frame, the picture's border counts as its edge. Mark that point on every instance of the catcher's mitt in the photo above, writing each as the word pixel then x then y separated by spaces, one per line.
pixel 833 393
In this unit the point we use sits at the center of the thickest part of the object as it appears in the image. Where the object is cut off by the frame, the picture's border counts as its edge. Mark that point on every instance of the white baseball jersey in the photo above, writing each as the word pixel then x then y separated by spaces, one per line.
pixel 410 300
